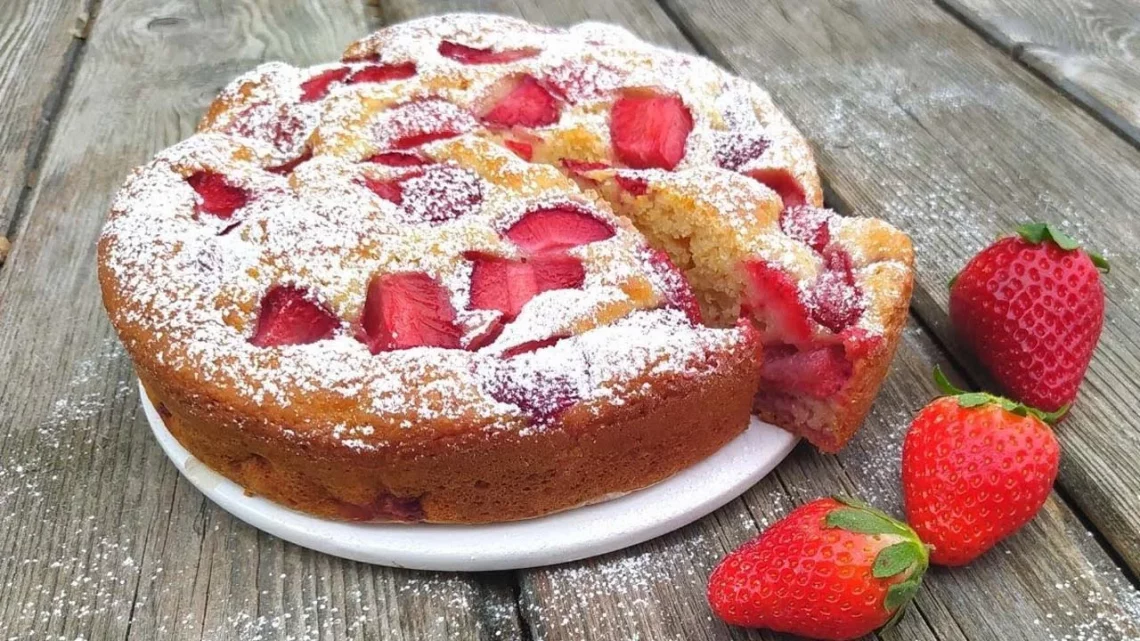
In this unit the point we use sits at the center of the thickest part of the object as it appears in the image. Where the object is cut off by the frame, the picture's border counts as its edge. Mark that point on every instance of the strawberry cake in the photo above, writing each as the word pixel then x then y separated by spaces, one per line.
pixel 482 270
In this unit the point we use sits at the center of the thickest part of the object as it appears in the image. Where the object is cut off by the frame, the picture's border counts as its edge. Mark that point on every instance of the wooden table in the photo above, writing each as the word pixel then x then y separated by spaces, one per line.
pixel 954 119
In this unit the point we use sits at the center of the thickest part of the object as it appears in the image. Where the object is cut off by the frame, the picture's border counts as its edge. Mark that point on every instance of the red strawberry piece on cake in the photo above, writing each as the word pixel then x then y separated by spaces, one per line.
pixel 290 317
pixel 473 56
pixel 1031 307
pixel 809 225
pixel 525 104
pixel 833 569
pixel 735 149
pixel 523 150
pixel 507 285
pixel 783 183
pixel 318 86
pixel 578 167
pixel 397 159
pixel 407 310
pixel 631 184
pixel 649 131
pixel 818 373
pixel 218 196
pixel 576 80
pixel 531 346
pixel 440 193
pixel 837 302
pixel 975 469
pixel 389 190
pixel 542 393
pixel 678 292
pixel 557 229
pixel 382 73
pixel 421 122
pixel 773 298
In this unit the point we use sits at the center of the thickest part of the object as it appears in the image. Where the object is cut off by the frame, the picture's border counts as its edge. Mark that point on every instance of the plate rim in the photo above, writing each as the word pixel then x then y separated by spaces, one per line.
pixel 548 540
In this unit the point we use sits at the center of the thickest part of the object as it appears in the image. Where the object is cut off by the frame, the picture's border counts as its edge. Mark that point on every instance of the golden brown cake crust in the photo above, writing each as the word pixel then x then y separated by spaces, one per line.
pixel 473 476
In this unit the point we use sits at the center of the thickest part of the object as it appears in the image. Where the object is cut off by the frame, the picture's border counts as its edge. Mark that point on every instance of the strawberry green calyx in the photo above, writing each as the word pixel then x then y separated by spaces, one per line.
pixel 977 399
pixel 904 561
pixel 1037 233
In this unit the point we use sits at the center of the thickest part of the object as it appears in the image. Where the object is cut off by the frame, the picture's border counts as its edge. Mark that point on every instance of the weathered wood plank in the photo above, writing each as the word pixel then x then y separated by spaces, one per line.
pixel 656 590
pixel 39 42
pixel 100 538
pixel 1088 49
pixel 919 121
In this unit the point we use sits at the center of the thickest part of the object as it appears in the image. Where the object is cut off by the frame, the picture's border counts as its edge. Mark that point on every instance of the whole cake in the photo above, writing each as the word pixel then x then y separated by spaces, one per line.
pixel 483 270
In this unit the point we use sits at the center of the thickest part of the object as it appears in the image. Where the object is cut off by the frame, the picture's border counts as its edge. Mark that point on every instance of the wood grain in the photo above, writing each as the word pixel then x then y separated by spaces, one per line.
pixel 100 538
pixel 918 120
pixel 38 46
pixel 1088 49
pixel 656 590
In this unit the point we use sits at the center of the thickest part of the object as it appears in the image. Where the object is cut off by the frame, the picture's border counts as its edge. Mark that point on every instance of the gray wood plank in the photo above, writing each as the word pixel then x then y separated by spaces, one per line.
pixel 656 590
pixel 920 121
pixel 1088 49
pixel 39 42
pixel 100 538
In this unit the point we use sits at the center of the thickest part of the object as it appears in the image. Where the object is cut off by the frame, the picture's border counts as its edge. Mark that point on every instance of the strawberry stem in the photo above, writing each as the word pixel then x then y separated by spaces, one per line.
pixel 978 399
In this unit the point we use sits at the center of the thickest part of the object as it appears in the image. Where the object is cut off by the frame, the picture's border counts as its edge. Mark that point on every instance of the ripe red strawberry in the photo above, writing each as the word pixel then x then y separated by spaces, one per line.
pixel 382 73
pixel 526 104
pixel 407 310
pixel 219 197
pixel 557 229
pixel 1031 308
pixel 289 317
pixel 473 56
pixel 507 285
pixel 833 569
pixel 975 468
pixel 650 131
pixel 784 184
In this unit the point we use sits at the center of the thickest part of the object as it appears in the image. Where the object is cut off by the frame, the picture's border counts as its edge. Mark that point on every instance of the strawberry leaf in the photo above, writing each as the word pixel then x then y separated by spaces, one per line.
pixel 863 521
pixel 900 593
pixel 896 558
pixel 944 383
pixel 1100 262
pixel 979 399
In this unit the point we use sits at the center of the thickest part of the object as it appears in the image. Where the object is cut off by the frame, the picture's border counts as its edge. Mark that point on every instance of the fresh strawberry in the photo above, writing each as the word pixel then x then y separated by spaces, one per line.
pixel 809 225
pixel 472 56
pixel 833 569
pixel 218 196
pixel 649 131
pixel 678 293
pixel 397 159
pixel 289 317
pixel 1031 307
pixel 556 229
pixel 382 73
pixel 507 285
pixel 407 310
pixel 525 104
pixel 773 299
pixel 975 468
pixel 818 373
pixel 784 184
pixel 318 86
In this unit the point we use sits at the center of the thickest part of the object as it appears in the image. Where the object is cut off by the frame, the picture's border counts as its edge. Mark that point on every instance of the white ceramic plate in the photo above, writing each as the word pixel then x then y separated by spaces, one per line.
pixel 566 536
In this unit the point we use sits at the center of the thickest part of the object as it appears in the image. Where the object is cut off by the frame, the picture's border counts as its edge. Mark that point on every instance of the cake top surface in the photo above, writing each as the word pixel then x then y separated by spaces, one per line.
pixel 416 228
